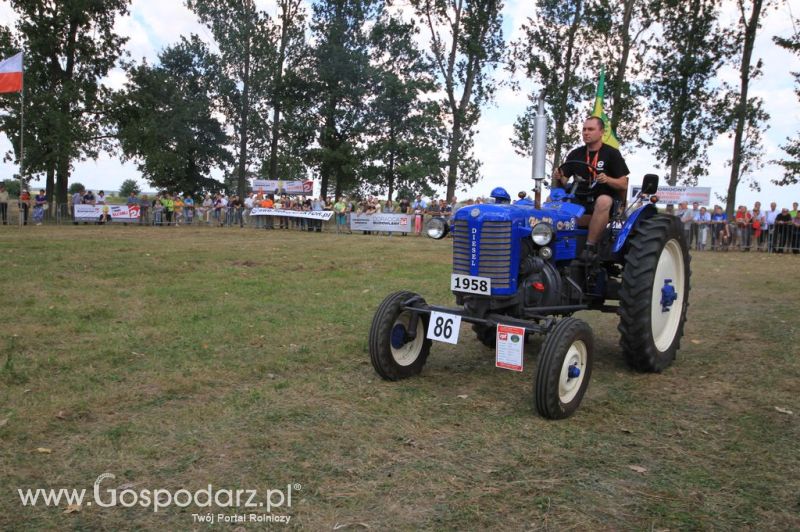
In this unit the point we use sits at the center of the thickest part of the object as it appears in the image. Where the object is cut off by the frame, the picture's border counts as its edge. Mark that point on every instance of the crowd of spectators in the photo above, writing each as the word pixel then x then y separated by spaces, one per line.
pixel 773 229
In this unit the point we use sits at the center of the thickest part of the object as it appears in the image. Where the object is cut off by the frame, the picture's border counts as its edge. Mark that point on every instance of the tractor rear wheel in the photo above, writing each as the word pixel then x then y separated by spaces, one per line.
pixel 655 294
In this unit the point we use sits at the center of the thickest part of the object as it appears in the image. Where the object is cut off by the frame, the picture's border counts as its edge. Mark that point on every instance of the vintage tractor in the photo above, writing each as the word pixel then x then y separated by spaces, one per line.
pixel 520 265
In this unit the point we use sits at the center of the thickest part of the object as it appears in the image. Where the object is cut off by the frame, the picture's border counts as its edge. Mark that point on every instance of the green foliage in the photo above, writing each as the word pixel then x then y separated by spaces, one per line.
pixel 681 91
pixel 246 55
pixel 791 165
pixel 552 53
pixel 166 121
pixel 75 187
pixel 128 187
pixel 405 133
pixel 12 187
pixel 466 42
pixel 342 79
pixel 69 48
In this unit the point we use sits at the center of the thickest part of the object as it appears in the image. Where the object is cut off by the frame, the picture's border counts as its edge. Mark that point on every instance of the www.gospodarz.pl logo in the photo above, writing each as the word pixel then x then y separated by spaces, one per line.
pixel 159 499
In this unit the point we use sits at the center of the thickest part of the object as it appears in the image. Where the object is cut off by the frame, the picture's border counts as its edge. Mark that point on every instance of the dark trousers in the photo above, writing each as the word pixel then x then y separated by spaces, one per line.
pixel 4 213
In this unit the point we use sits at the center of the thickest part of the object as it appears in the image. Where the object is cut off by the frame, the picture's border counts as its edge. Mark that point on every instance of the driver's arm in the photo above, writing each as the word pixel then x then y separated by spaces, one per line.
pixel 617 183
pixel 558 178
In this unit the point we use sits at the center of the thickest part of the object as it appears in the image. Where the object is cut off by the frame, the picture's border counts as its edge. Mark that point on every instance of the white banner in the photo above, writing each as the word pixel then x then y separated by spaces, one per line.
pixel 313 215
pixel 667 195
pixel 270 186
pixel 401 223
pixel 119 213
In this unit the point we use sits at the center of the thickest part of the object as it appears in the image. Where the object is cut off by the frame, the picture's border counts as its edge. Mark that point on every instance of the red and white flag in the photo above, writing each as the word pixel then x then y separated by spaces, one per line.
pixel 11 74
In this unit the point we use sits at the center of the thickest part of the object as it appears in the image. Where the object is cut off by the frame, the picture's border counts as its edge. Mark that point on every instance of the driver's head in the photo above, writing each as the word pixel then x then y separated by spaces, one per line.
pixel 593 129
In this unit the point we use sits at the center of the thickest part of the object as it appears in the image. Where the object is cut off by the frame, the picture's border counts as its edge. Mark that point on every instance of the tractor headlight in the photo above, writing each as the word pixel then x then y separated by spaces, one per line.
pixel 437 228
pixel 542 234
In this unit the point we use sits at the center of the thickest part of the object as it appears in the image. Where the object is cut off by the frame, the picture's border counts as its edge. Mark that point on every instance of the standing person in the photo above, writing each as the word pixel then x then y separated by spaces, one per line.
pixel 249 203
pixel 783 223
pixel 236 210
pixel 158 211
pixel 769 222
pixel 3 204
pixel 39 206
pixel 757 227
pixel 685 216
pixel 720 237
pixel 24 204
pixel 188 208
pixel 404 207
pixel 388 208
pixel 695 226
pixel 703 228
pixel 418 207
pixel 339 210
pixel 795 230
pixel 178 208
pixel 318 205
pixel 743 219
pixel 144 209
pixel 169 207
pixel 208 206
pixel 77 199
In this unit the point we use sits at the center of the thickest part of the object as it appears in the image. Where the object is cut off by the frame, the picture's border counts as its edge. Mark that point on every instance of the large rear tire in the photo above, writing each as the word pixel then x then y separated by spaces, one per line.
pixel 654 296
pixel 393 354
pixel 563 369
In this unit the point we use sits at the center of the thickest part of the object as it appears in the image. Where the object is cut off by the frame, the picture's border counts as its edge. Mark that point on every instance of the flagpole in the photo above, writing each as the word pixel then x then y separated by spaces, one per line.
pixel 22 141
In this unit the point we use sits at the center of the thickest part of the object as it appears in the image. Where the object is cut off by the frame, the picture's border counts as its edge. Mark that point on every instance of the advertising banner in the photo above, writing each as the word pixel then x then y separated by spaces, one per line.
pixel 119 213
pixel 675 195
pixel 312 215
pixel 400 223
pixel 270 186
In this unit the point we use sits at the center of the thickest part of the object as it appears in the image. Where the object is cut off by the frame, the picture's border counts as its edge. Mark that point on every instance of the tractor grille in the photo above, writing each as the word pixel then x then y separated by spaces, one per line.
pixel 494 259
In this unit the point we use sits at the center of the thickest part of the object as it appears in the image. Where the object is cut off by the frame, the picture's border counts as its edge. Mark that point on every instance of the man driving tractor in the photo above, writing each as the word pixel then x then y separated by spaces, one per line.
pixel 605 177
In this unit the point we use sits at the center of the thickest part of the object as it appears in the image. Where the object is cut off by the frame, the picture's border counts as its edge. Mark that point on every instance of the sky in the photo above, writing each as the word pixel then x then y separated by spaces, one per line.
pixel 155 24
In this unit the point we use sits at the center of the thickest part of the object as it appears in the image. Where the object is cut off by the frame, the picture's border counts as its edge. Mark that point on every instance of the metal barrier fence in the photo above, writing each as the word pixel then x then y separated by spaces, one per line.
pixel 710 236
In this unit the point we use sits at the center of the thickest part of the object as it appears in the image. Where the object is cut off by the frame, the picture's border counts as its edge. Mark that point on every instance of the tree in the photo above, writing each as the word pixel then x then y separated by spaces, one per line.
pixel 466 43
pixel 791 165
pixel 128 187
pixel 70 47
pixel 242 34
pixel 292 53
pixel 166 119
pixel 75 187
pixel 404 132
pixel 746 112
pixel 627 26
pixel 681 88
pixel 342 69
pixel 551 53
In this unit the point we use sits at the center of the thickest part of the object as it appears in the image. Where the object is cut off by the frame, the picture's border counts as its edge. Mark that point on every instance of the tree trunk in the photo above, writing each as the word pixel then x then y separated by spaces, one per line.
pixel 50 188
pixel 560 117
pixel 242 167
pixel 750 29
pixel 622 65
pixel 286 15
pixel 62 179
pixel 452 157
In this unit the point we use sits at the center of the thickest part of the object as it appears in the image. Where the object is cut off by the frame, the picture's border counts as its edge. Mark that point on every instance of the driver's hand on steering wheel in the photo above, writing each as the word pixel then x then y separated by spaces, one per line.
pixel 558 177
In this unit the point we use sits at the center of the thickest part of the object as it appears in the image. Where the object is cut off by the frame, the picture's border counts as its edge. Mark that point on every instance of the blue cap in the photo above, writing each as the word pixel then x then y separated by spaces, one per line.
pixel 500 194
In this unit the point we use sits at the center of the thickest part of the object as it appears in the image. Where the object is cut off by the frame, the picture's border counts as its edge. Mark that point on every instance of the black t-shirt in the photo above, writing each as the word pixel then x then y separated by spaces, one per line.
pixel 608 161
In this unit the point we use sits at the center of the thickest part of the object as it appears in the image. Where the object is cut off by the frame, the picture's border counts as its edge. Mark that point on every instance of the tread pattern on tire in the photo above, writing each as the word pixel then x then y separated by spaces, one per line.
pixel 380 352
pixel 548 369
pixel 645 247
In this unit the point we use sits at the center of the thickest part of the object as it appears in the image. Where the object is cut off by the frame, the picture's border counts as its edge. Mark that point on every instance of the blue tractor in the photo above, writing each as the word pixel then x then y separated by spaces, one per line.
pixel 520 265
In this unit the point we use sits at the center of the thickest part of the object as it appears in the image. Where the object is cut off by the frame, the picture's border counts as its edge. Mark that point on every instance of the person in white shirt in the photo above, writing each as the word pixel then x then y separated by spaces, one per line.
pixel 248 206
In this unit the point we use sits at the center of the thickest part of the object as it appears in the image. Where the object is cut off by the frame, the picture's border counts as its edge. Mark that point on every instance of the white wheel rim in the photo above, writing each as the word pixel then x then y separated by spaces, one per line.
pixel 664 324
pixel 409 352
pixel 576 356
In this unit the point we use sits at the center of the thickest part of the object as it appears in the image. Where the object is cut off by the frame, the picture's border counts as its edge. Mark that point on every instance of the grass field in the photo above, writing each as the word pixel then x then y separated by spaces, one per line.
pixel 178 358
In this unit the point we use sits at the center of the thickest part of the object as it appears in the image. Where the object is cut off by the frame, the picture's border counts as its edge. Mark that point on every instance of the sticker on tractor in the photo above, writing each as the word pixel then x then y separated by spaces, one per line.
pixel 510 343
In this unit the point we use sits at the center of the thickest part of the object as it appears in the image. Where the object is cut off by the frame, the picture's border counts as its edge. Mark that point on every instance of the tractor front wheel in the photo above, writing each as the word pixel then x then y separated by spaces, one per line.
pixel 394 353
pixel 563 369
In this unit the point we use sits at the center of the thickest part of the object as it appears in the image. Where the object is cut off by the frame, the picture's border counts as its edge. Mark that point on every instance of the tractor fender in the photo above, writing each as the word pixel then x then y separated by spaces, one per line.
pixel 642 213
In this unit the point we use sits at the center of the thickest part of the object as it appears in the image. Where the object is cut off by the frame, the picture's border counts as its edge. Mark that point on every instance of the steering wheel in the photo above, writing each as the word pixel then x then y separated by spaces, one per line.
pixel 570 168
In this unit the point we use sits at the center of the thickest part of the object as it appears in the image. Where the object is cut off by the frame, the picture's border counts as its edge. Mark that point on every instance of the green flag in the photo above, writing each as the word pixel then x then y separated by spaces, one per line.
pixel 608 137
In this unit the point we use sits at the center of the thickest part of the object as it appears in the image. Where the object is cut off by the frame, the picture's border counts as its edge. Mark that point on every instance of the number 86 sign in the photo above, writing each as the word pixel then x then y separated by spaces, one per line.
pixel 444 327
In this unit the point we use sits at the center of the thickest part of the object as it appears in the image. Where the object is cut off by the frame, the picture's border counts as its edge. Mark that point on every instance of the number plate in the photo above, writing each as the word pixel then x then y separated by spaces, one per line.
pixel 444 327
pixel 471 284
